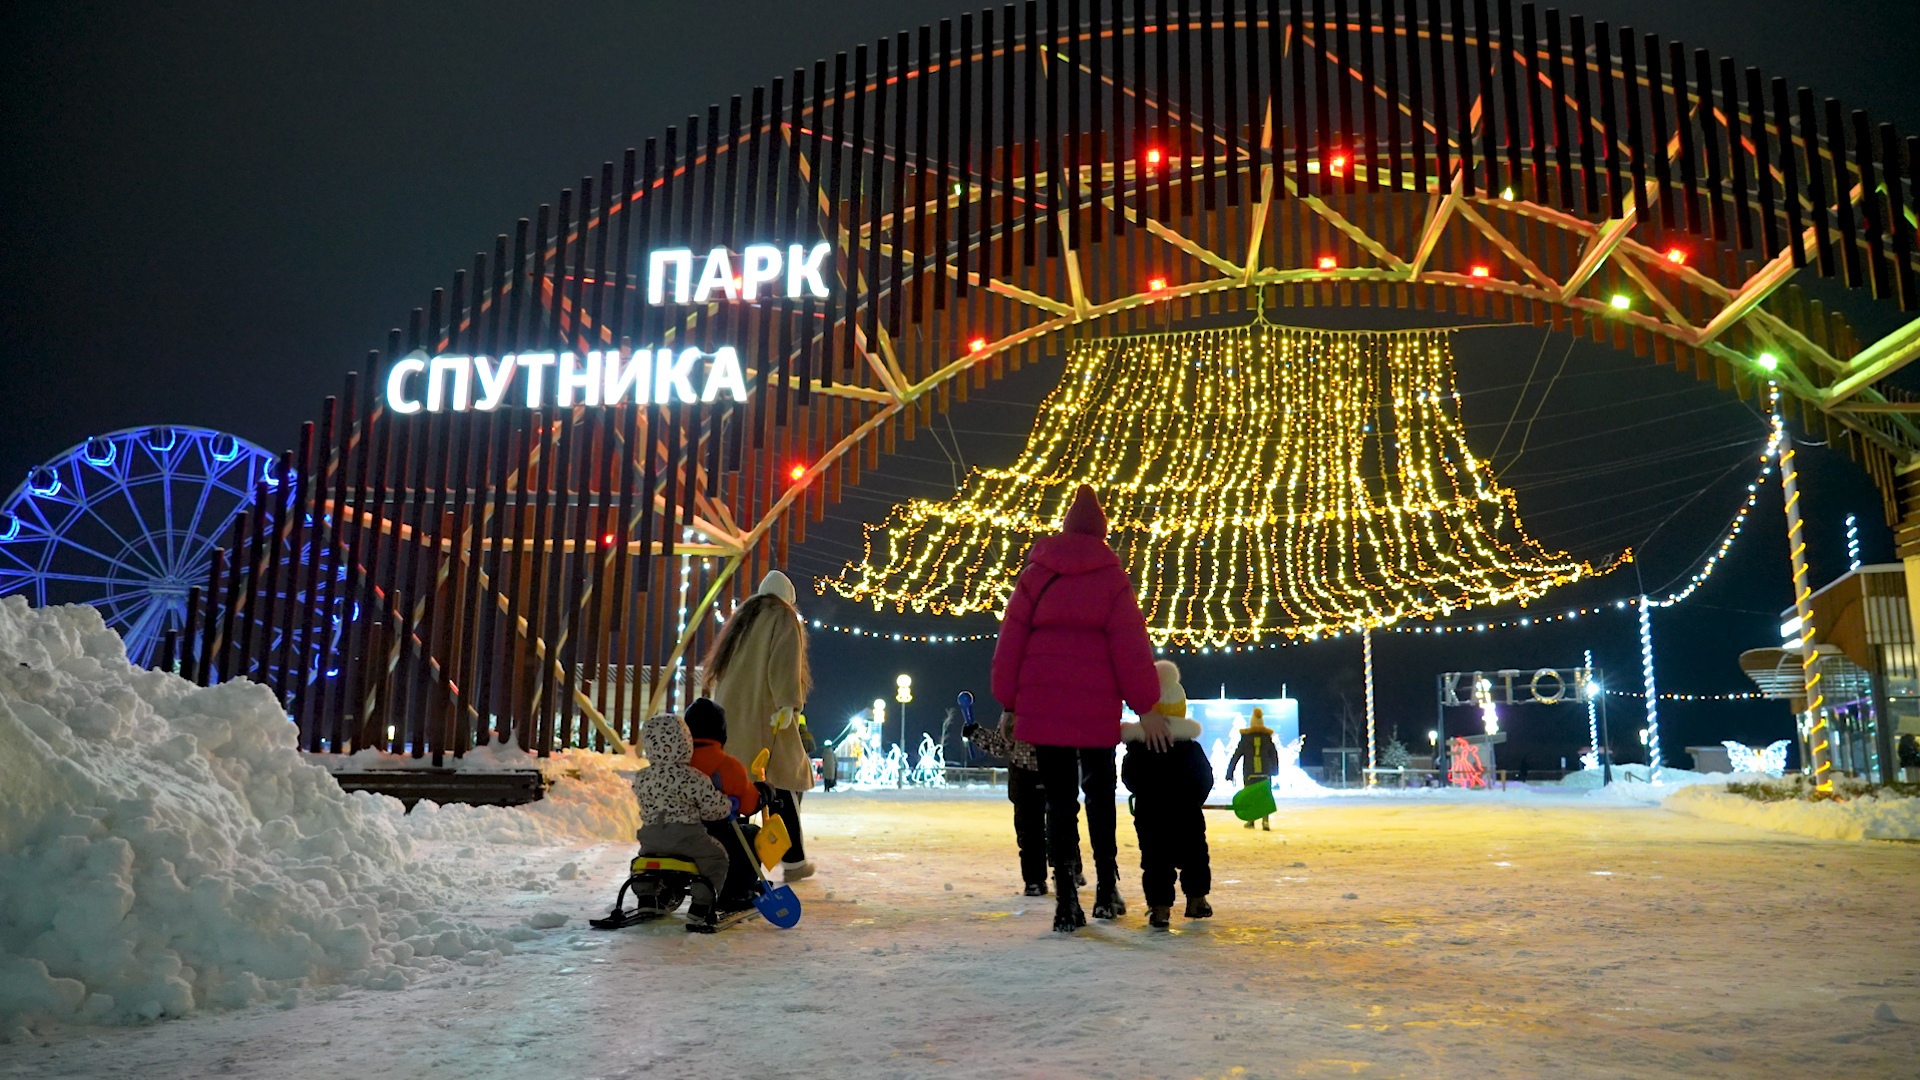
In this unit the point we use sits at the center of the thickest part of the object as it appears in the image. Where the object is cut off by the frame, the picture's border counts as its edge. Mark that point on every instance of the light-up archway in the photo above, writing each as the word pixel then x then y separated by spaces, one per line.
pixel 1012 177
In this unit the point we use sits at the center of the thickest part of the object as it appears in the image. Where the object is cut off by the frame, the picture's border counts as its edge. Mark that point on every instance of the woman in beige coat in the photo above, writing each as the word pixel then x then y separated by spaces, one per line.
pixel 757 672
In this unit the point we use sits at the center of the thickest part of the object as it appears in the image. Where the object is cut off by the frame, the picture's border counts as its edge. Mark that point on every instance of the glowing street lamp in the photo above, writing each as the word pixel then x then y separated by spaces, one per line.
pixel 903 693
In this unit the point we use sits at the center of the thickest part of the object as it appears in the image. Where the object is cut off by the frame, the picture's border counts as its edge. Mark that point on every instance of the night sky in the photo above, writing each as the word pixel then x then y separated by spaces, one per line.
pixel 211 212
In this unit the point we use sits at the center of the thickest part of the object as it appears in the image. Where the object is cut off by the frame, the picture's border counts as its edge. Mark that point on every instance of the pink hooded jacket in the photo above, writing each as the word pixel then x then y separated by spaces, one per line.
pixel 1073 645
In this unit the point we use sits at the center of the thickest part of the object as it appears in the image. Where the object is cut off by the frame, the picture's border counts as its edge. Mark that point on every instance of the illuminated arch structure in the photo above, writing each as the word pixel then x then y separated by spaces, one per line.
pixel 1021 175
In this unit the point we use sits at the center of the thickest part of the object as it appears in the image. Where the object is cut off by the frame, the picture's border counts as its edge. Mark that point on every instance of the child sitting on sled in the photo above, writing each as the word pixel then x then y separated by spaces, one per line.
pixel 1169 788
pixel 707 723
pixel 676 800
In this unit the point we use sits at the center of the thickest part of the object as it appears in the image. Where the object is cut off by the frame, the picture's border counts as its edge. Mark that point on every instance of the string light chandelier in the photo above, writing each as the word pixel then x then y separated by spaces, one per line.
pixel 1259 481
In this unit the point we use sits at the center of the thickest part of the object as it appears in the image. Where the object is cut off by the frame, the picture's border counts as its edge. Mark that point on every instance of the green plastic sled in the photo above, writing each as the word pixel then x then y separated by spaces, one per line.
pixel 1254 801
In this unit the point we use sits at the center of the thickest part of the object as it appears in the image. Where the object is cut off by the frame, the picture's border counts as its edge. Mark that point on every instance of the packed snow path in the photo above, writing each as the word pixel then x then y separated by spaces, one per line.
pixel 1514 936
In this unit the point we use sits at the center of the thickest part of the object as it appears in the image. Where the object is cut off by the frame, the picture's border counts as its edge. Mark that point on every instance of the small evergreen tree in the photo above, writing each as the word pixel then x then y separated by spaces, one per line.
pixel 1395 755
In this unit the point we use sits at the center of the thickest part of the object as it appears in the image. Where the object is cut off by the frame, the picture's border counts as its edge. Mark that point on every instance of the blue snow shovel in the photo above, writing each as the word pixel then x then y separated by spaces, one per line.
pixel 776 903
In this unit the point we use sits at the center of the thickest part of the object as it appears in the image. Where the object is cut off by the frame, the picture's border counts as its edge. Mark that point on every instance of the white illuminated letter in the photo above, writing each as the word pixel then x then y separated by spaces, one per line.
pixel 725 375
pixel 806 270
pixel 493 382
pixel 759 265
pixel 635 375
pixel 716 274
pixel 670 375
pixel 682 261
pixel 533 362
pixel 461 368
pixel 414 364
pixel 584 379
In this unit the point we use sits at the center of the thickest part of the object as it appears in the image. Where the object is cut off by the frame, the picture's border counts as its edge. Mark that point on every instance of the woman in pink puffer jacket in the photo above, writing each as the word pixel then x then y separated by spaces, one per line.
pixel 1073 647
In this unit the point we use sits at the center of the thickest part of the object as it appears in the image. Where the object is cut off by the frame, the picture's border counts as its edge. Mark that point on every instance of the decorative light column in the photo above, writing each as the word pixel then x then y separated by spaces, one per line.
pixel 1819 742
pixel 1655 769
pixel 1366 661
pixel 1593 712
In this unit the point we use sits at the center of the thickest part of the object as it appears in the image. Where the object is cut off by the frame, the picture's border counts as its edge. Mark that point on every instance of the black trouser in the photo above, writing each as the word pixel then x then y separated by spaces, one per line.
pixel 1029 797
pixel 738 890
pixel 787 804
pixel 1171 838
pixel 1067 771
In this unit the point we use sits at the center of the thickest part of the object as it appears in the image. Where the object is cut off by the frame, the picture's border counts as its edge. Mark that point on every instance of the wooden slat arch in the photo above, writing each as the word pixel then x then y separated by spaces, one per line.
pixel 988 185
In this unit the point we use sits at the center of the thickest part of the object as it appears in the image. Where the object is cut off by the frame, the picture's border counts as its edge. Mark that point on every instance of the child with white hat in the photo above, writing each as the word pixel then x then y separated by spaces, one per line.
pixel 1169 789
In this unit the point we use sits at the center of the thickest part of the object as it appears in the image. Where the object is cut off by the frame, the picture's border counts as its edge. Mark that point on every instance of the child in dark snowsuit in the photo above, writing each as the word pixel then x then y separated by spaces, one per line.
pixel 1258 756
pixel 1029 798
pixel 707 722
pixel 1169 788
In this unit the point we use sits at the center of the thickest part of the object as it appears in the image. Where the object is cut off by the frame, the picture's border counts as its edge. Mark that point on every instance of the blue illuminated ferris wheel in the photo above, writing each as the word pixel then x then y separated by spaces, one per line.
pixel 128 522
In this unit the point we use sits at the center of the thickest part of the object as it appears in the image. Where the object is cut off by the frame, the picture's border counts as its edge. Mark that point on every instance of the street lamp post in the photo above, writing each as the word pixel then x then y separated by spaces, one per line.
pixel 903 693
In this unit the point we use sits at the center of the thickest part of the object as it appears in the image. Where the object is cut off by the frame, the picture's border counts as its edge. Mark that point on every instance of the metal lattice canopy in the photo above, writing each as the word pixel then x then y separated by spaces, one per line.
pixel 1257 481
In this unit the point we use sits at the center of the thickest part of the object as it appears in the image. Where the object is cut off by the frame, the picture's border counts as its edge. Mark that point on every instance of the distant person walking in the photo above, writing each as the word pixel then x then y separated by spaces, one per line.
pixel 1257 757
pixel 1073 647
pixel 757 672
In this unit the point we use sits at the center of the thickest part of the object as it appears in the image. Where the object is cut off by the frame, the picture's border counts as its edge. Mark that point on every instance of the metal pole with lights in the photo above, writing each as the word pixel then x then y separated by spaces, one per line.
pixel 1366 654
pixel 1819 743
pixel 1651 734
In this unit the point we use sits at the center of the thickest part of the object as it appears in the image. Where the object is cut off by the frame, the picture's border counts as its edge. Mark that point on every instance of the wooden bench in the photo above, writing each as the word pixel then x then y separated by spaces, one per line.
pixel 449 786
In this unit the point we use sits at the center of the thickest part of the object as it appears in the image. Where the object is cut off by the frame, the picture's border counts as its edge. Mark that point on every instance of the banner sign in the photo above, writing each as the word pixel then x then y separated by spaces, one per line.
pixel 1515 686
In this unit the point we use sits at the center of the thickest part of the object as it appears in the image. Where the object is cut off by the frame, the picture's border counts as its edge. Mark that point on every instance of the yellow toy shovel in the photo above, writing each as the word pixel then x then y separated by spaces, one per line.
pixel 774 840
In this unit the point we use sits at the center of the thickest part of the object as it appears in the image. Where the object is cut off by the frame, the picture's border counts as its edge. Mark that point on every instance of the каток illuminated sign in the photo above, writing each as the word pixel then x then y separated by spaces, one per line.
pixel 460 383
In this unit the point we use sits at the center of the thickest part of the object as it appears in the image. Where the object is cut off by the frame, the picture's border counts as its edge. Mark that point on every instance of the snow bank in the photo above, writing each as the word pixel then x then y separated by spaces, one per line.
pixel 1866 817
pixel 164 847
pixel 589 797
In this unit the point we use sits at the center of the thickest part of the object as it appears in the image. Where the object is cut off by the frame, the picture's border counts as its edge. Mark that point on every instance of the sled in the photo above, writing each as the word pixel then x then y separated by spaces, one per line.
pixel 1254 801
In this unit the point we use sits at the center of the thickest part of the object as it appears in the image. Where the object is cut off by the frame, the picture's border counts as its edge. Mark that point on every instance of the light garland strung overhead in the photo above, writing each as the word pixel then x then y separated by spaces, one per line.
pixel 1259 482
pixel 1728 536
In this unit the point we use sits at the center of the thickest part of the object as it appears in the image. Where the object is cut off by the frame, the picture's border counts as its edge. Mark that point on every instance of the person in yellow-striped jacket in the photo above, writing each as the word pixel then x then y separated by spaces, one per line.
pixel 1257 755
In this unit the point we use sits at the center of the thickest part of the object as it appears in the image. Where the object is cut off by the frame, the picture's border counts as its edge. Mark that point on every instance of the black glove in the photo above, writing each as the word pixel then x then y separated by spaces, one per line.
pixel 966 730
pixel 766 792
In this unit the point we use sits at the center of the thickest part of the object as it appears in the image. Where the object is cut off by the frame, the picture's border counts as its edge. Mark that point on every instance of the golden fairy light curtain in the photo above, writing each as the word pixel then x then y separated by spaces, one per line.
pixel 1258 481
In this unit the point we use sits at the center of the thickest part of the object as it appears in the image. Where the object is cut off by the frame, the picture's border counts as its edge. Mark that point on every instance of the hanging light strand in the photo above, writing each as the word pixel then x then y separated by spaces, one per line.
pixel 1261 483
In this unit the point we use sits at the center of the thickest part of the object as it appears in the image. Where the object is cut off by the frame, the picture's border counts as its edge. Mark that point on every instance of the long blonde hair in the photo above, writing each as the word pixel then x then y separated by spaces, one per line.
pixel 721 653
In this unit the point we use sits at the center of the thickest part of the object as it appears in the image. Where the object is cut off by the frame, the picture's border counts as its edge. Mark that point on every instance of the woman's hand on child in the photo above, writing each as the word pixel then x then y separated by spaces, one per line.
pixel 1158 735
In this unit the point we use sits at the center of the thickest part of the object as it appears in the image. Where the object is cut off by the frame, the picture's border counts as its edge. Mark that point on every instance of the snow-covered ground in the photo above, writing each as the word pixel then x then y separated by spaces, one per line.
pixel 1512 936
pixel 165 851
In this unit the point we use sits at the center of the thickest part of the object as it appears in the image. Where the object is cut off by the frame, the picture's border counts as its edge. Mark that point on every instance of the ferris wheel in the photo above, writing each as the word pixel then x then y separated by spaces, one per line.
pixel 128 522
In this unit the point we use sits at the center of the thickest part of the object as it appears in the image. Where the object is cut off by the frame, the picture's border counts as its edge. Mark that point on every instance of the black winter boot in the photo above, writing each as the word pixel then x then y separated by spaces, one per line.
pixel 1106 901
pixel 1067 916
pixel 1159 917
pixel 1036 888
pixel 1198 908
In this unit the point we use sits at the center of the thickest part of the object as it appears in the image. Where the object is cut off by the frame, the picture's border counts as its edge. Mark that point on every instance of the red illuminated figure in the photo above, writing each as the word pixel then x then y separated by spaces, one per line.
pixel 1468 769
pixel 1328 262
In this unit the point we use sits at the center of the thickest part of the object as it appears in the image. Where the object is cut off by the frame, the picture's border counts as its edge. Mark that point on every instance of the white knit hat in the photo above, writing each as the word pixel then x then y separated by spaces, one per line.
pixel 777 584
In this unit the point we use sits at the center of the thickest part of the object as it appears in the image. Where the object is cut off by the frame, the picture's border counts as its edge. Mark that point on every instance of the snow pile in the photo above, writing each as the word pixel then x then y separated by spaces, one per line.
pixel 1864 817
pixel 163 846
